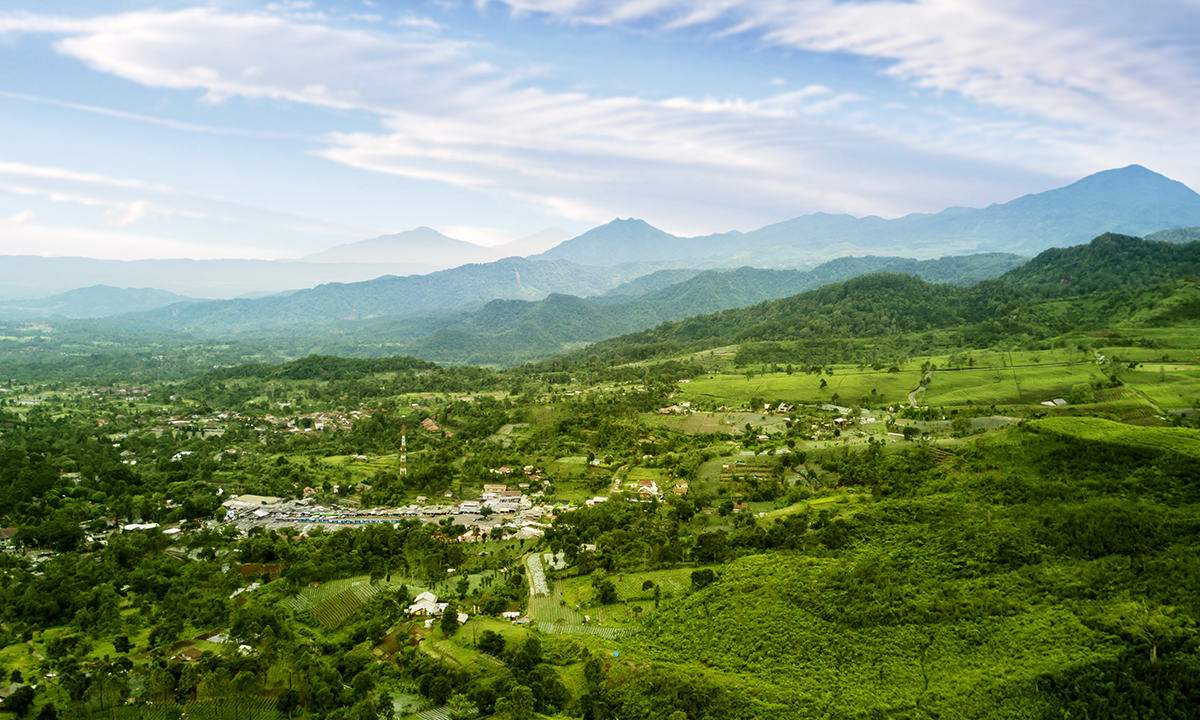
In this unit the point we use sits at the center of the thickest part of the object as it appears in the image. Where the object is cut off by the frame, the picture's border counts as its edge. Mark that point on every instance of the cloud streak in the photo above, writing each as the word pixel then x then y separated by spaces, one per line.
pixel 1066 90
pixel 447 115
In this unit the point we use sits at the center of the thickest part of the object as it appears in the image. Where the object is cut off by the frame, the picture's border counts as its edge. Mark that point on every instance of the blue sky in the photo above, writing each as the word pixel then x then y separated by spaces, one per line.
pixel 248 129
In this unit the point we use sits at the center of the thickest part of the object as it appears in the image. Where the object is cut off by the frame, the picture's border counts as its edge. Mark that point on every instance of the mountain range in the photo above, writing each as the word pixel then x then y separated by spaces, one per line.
pixel 1131 200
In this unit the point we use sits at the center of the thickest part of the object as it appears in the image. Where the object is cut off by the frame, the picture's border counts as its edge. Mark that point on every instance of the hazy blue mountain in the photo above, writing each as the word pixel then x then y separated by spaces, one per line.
pixel 431 249
pixel 538 242
pixel 625 240
pixel 92 302
pixel 1130 200
pixel 31 276
pixel 468 285
pixel 422 246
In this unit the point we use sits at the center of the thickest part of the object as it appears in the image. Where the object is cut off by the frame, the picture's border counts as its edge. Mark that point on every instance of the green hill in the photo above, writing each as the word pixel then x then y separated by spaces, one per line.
pixel 1019 305
pixel 995 585
pixel 508 331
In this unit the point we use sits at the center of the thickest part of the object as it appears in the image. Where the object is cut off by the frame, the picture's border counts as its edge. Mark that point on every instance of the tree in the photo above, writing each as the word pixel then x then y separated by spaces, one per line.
pixel 48 712
pixel 1150 625
pixel 703 578
pixel 289 702
pixel 606 592
pixel 20 700
pixel 449 622
pixel 439 690
pixel 121 644
pixel 492 643
pixel 521 703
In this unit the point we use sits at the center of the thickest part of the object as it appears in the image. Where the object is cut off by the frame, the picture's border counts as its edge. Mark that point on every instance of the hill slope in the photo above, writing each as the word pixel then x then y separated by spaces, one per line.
pixel 890 304
pixel 510 331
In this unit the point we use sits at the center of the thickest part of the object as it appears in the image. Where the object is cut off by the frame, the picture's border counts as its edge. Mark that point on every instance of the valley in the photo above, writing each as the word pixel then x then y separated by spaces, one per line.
pixel 983 510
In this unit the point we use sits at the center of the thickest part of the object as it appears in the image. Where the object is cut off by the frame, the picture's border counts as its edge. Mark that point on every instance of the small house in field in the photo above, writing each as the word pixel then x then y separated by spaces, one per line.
pixel 681 487
pixel 430 425
pixel 424 605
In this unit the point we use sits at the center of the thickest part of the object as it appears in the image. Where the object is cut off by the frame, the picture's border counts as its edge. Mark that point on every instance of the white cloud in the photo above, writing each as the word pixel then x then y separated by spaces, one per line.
pixel 485 236
pixel 130 213
pixel 161 121
pixel 125 201
pixel 450 117
pixel 20 218
pixel 1088 62
pixel 51 240
pixel 447 115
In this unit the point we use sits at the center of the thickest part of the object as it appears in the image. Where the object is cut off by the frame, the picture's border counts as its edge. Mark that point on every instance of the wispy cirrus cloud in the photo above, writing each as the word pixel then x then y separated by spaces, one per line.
pixel 449 115
pixel 1053 92
pixel 1108 63
pixel 125 201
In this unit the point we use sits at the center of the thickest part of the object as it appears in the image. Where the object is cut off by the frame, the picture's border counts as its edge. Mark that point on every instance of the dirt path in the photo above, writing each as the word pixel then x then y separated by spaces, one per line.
pixel 912 396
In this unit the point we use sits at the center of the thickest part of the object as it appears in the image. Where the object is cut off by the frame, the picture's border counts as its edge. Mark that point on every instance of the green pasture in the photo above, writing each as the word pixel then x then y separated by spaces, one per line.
pixel 1183 441
pixel 1010 386
pixel 1179 385
pixel 850 386
pixel 1169 385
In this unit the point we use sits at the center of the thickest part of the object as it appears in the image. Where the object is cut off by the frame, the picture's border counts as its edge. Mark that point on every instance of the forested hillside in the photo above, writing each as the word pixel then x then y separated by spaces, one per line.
pixel 1020 305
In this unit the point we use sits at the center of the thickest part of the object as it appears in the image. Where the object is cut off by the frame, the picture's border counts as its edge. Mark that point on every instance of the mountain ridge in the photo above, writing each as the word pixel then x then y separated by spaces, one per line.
pixel 1131 200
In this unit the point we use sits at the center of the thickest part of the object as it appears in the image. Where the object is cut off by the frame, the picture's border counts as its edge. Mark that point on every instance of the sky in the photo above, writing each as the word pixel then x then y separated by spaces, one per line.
pixel 238 128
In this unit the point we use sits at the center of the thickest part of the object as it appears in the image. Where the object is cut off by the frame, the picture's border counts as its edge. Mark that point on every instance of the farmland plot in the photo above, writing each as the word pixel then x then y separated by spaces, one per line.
pixel 334 602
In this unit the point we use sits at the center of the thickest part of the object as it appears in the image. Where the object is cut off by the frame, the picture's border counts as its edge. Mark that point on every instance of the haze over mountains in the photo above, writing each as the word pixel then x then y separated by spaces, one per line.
pixel 1131 200
pixel 92 302
pixel 617 278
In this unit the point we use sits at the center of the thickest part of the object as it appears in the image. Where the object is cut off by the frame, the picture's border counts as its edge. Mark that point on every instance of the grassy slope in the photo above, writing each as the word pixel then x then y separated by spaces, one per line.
pixel 997 573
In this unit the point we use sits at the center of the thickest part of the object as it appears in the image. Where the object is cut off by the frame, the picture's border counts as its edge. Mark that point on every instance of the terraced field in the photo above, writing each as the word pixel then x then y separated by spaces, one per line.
pixel 261 708
pixel 334 602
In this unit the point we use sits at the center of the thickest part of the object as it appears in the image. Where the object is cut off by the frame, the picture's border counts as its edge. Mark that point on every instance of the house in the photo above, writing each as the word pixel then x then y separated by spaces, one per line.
pixel 646 487
pixel 493 488
pixel 430 425
pixel 425 605
pixel 681 487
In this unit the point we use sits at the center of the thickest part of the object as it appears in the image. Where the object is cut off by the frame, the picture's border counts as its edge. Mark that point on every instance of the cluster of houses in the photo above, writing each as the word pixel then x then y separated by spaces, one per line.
pixel 426 605
pixel 648 488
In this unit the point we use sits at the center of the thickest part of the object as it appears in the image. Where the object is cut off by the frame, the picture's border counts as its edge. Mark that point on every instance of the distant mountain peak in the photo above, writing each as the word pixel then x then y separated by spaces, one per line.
pixel 1134 175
